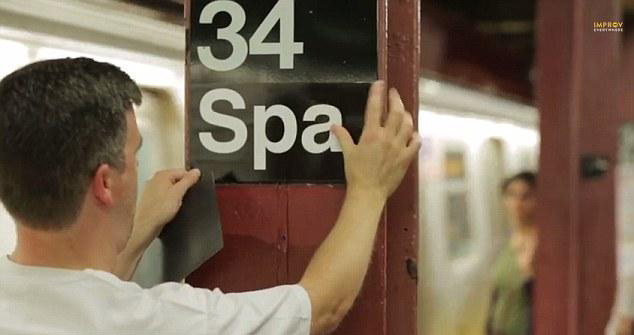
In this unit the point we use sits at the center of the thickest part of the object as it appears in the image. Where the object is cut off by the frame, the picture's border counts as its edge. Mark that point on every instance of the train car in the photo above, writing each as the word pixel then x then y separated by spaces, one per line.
pixel 471 142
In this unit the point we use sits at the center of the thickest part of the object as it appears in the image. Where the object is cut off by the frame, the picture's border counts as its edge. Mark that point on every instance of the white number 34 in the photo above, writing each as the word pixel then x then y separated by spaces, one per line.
pixel 286 48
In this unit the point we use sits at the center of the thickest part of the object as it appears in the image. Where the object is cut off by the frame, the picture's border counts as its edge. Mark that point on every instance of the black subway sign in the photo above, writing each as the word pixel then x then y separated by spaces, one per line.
pixel 267 79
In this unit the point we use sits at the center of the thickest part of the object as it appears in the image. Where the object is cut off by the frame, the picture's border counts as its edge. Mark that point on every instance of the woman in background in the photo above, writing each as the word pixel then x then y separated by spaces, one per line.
pixel 511 301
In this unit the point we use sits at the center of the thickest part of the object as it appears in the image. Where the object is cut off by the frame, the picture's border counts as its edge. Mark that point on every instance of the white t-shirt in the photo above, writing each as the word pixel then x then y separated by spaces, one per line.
pixel 41 300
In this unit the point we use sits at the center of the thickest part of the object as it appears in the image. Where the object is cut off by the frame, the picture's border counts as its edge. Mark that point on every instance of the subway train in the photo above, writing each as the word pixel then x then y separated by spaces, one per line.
pixel 471 141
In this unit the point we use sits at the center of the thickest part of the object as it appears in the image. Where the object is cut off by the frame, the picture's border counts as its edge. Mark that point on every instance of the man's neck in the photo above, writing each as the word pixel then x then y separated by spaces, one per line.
pixel 61 249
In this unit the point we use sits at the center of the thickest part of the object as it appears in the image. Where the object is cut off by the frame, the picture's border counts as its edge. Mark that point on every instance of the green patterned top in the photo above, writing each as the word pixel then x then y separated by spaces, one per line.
pixel 510 309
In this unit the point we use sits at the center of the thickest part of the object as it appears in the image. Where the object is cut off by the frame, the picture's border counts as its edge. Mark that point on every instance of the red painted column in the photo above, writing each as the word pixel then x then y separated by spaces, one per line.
pixel 312 211
pixel 576 96
pixel 403 68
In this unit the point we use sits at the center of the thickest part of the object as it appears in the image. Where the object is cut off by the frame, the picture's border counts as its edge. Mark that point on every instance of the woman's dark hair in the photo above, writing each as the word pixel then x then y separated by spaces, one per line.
pixel 528 177
pixel 59 120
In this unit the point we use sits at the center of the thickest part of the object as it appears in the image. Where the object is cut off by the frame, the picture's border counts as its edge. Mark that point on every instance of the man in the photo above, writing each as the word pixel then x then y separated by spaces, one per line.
pixel 68 138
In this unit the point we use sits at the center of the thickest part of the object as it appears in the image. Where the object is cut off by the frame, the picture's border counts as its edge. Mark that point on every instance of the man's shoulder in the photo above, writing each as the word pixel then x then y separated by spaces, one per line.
pixel 109 279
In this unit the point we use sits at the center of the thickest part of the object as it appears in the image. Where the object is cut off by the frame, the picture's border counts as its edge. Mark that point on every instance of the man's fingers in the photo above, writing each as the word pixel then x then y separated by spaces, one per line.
pixel 396 113
pixel 406 129
pixel 412 147
pixel 172 175
pixel 374 106
pixel 188 180
pixel 343 136
pixel 396 103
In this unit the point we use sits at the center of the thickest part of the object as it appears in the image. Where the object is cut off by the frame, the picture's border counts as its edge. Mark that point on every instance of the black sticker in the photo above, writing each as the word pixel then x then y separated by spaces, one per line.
pixel 268 77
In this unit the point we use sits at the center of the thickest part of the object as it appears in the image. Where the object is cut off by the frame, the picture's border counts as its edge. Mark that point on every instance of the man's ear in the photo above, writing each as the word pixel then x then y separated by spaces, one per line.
pixel 102 184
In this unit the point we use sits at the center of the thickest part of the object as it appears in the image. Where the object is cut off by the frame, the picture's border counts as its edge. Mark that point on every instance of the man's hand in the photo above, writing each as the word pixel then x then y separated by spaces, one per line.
pixel 161 200
pixel 374 169
pixel 380 160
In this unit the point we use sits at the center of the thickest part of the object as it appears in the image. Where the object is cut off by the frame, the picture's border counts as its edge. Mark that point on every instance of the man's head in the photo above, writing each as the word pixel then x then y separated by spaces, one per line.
pixel 520 198
pixel 68 137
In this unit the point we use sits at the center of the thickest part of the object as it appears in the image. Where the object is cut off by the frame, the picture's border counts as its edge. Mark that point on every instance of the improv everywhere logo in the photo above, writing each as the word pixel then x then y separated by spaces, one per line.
pixel 608 26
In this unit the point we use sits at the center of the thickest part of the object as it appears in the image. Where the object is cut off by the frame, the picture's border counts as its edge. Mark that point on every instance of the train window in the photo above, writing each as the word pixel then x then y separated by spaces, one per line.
pixel 454 165
pixel 458 224
pixel 160 120
pixel 457 210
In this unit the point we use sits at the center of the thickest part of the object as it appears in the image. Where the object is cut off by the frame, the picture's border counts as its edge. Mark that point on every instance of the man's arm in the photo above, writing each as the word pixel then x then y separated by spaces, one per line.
pixel 159 204
pixel 335 274
pixel 374 168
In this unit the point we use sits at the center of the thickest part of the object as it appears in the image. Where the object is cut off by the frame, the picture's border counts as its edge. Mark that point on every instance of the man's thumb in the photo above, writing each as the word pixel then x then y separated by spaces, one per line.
pixel 343 136
pixel 189 179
